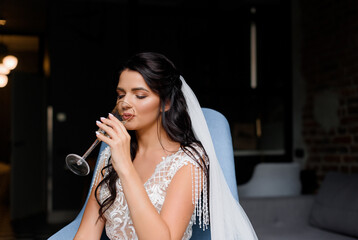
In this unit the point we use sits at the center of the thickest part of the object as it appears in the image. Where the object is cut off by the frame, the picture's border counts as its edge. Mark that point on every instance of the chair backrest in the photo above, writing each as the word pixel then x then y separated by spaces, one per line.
pixel 221 135
pixel 220 132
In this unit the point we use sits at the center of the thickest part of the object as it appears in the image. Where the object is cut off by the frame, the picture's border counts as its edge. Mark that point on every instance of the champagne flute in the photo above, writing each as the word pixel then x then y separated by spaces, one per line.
pixel 77 164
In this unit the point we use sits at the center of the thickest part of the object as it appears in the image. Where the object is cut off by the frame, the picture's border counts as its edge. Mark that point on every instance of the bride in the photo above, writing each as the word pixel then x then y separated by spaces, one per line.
pixel 159 174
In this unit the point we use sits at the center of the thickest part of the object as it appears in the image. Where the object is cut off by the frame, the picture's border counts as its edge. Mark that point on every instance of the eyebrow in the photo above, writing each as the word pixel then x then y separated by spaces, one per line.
pixel 134 89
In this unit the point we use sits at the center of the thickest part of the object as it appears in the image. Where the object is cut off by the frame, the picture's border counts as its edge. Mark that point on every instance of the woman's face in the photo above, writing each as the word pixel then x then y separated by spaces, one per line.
pixel 133 89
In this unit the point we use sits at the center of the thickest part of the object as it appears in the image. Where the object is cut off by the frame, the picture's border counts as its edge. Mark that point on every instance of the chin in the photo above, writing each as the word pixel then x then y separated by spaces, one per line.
pixel 129 126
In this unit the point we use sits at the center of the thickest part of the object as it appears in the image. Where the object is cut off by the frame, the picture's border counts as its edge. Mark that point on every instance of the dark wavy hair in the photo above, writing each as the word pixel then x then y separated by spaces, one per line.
pixel 163 78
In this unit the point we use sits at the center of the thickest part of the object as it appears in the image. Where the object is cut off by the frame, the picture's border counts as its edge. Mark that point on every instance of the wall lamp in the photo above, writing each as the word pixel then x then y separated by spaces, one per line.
pixel 9 62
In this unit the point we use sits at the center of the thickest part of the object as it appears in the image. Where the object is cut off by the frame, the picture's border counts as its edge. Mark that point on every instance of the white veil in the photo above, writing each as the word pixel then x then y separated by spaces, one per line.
pixel 227 218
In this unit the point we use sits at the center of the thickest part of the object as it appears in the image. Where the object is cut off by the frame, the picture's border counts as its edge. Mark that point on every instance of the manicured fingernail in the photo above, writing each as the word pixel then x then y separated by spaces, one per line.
pixel 110 114
pixel 98 122
pixel 97 133
pixel 102 119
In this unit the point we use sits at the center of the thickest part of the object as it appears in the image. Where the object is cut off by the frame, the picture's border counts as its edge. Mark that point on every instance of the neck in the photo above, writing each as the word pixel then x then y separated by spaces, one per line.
pixel 155 138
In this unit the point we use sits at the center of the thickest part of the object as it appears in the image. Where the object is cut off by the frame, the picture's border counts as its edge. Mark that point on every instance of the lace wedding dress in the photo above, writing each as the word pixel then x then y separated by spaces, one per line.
pixel 118 220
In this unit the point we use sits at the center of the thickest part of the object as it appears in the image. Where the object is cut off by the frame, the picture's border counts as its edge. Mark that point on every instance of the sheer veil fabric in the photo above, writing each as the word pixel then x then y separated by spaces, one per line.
pixel 227 218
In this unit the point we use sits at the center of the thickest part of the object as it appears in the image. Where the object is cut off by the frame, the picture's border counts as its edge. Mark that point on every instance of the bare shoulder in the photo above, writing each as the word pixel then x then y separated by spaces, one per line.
pixel 197 153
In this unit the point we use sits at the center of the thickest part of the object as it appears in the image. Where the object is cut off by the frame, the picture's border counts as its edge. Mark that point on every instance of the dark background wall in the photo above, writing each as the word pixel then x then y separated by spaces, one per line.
pixel 329 68
pixel 82 43
pixel 208 42
pixel 306 97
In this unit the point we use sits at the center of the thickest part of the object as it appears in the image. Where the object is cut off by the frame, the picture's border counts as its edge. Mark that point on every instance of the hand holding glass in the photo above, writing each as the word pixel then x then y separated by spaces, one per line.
pixel 77 164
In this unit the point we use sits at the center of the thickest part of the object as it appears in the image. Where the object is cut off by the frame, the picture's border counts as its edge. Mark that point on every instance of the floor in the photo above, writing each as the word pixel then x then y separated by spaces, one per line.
pixel 6 231
pixel 34 227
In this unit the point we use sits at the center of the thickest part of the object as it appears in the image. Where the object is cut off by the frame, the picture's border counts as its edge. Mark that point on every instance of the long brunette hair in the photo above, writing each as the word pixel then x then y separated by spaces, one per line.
pixel 163 78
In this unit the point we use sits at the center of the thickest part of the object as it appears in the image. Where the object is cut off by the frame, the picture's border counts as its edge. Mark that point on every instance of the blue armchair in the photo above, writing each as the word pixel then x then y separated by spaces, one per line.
pixel 220 133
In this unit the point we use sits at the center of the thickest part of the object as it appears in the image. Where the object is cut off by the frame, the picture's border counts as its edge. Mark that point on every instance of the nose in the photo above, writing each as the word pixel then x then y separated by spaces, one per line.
pixel 124 105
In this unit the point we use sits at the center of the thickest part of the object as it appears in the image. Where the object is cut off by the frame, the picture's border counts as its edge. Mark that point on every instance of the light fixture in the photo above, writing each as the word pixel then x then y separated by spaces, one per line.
pixel 3 80
pixel 2 20
pixel 10 62
pixel 258 128
pixel 3 69
pixel 253 52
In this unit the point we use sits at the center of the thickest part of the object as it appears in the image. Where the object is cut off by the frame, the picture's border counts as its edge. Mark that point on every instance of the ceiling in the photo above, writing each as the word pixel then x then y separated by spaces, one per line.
pixel 26 20
pixel 29 16
pixel 23 16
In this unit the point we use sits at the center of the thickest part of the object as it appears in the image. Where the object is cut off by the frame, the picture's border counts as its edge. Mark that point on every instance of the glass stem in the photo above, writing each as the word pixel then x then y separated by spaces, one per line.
pixel 94 144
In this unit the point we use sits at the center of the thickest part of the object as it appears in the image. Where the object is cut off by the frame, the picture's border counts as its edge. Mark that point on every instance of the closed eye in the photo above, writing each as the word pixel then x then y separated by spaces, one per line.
pixel 120 96
pixel 141 96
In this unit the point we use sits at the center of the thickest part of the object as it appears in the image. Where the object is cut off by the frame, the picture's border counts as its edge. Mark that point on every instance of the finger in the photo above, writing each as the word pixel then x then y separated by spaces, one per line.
pixel 115 123
pixel 118 123
pixel 107 128
pixel 103 138
pixel 113 118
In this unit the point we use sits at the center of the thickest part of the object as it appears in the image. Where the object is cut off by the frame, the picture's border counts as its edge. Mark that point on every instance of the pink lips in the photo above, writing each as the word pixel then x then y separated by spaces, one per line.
pixel 127 116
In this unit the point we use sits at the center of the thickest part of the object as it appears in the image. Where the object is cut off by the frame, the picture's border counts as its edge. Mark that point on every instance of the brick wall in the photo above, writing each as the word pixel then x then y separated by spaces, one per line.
pixel 330 71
